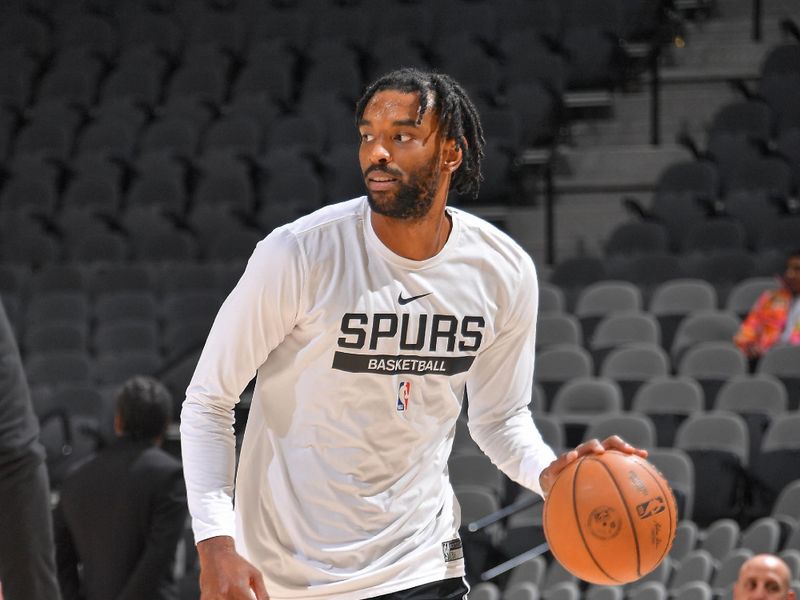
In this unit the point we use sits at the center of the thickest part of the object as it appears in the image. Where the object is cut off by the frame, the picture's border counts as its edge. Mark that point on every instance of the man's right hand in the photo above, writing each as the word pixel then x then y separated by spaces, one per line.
pixel 225 575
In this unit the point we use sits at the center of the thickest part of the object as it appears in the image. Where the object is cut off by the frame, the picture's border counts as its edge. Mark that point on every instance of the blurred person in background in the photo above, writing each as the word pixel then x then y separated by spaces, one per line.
pixel 775 317
pixel 27 566
pixel 122 514
pixel 764 577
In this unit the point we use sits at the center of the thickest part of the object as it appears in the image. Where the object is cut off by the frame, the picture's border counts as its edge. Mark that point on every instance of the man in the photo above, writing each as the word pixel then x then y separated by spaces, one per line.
pixel 27 566
pixel 775 317
pixel 763 577
pixel 366 322
pixel 121 514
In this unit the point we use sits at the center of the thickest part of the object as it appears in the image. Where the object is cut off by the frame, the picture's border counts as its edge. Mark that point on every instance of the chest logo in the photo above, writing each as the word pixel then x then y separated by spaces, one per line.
pixel 403 396
pixel 403 301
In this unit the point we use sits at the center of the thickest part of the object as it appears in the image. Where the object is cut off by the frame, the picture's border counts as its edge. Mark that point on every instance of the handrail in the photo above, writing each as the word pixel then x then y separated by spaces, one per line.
pixel 502 513
pixel 506 566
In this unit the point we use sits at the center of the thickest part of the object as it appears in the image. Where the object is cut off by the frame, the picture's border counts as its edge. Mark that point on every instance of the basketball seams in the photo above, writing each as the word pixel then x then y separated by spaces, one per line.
pixel 627 512
pixel 671 495
pixel 580 523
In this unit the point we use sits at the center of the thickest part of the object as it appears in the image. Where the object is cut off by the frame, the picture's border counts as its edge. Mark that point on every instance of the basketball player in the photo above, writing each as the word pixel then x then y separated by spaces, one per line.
pixel 365 323
pixel 763 577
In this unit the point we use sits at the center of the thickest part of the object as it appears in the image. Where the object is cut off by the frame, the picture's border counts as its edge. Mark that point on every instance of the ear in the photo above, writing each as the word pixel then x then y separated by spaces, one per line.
pixel 119 427
pixel 452 156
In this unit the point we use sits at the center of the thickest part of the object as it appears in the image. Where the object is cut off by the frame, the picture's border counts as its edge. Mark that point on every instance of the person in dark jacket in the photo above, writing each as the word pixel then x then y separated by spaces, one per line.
pixel 27 566
pixel 122 513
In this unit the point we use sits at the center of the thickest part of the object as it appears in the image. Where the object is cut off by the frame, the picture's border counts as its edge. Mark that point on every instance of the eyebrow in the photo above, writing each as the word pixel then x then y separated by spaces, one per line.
pixel 400 123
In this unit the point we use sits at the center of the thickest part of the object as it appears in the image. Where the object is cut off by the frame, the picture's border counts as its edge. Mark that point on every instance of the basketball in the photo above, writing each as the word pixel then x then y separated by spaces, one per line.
pixel 610 518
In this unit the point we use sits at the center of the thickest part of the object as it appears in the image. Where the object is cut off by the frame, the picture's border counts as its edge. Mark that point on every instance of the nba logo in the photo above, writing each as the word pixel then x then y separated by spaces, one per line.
pixel 403 395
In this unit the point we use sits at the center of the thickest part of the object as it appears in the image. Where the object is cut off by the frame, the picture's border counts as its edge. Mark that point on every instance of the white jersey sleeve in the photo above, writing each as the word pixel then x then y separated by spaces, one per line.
pixel 499 390
pixel 253 320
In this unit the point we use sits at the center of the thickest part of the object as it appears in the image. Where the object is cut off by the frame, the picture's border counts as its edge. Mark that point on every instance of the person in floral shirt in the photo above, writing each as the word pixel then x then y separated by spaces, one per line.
pixel 775 317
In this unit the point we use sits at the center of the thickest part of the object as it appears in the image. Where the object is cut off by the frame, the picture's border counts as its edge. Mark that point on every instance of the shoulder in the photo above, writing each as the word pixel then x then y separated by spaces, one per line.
pixel 332 215
pixel 161 460
pixel 335 221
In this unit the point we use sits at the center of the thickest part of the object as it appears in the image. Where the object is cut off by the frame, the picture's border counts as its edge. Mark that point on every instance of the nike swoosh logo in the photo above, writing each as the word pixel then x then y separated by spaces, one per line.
pixel 404 301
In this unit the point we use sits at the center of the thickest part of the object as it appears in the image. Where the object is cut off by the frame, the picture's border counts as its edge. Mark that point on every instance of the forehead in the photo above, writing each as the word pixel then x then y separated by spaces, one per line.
pixel 763 570
pixel 794 262
pixel 395 105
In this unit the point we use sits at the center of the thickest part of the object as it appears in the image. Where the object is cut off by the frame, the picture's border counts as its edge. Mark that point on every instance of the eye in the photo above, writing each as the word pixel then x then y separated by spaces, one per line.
pixel 402 137
pixel 366 137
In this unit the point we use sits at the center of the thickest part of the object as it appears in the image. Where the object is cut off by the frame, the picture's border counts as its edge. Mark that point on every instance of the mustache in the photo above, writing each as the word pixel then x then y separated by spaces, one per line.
pixel 384 171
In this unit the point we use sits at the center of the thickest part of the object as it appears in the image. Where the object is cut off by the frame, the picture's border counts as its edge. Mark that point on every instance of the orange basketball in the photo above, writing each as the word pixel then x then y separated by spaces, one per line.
pixel 610 518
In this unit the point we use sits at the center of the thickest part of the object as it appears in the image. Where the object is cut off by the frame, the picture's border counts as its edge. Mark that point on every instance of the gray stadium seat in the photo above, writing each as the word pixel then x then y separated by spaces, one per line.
pixel 719 447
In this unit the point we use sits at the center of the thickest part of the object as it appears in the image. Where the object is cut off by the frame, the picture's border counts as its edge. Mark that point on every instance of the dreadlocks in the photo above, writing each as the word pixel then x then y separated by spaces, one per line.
pixel 458 117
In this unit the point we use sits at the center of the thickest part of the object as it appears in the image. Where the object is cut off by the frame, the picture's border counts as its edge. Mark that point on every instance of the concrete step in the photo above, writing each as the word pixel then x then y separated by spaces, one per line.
pixel 613 168
pixel 684 108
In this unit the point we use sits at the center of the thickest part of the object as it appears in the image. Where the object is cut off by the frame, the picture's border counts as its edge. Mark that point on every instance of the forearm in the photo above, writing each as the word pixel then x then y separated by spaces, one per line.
pixel 515 446
pixel 208 449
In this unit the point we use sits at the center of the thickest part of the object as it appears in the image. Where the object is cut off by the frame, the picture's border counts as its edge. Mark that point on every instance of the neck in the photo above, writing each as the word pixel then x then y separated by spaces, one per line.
pixel 417 239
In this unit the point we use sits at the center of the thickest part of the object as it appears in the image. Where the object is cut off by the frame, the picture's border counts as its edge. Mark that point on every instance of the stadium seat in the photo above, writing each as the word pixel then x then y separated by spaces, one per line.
pixel 117 367
pixel 602 298
pixel 477 472
pixel 778 462
pixel 712 364
pixel 788 502
pixel 678 469
pixel 531 571
pixel 581 400
pixel 720 538
pixel 550 428
pixel 714 235
pixel 604 592
pixel 634 428
pixel 58 368
pixel 668 401
pixel 521 591
pixel 686 536
pixel 551 298
pixel 744 294
pixel 55 337
pixel 56 306
pixel 762 536
pixel 724 269
pixel 637 238
pixel 718 444
pixel 621 328
pixel 792 559
pixel 119 278
pixel 632 365
pixel 574 274
pixel 485 591
pixel 728 571
pixel 758 399
pixel 120 306
pixel 134 335
pixel 659 575
pixel 558 364
pixel 648 591
pixel 558 328
pixel 784 363
pixel 703 326
pixel 674 299
pixel 696 568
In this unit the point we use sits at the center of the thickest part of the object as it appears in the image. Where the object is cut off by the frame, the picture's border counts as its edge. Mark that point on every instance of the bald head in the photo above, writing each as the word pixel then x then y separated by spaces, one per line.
pixel 765 577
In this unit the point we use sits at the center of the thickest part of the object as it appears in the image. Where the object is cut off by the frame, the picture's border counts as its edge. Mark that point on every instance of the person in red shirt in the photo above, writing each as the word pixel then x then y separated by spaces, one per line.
pixel 775 317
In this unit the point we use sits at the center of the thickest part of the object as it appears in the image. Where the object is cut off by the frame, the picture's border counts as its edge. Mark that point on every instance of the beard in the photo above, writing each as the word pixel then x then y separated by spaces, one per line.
pixel 412 199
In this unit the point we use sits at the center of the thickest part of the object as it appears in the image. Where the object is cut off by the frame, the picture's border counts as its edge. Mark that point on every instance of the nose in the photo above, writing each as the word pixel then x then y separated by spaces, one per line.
pixel 378 153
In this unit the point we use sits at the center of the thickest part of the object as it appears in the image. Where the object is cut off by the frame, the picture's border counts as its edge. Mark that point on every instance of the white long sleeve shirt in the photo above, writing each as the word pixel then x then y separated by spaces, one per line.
pixel 362 359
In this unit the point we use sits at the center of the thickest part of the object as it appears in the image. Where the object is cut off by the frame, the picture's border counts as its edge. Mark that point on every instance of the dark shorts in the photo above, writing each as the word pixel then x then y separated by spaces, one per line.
pixel 447 589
